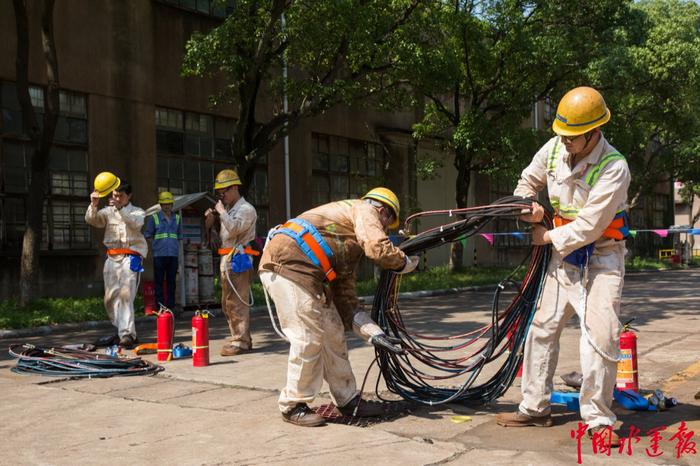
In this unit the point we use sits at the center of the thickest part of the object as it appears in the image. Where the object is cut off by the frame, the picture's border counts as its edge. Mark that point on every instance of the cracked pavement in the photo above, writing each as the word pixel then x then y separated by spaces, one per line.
pixel 226 413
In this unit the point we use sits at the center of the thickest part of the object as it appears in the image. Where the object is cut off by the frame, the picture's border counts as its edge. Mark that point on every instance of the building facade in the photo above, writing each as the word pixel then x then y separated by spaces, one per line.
pixel 125 108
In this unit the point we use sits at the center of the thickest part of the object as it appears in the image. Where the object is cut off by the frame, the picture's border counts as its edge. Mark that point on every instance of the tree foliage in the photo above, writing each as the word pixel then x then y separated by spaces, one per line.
pixel 339 51
pixel 651 82
pixel 487 62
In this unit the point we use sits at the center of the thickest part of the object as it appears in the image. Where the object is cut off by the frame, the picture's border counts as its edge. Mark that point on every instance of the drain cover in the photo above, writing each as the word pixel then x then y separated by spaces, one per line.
pixel 333 416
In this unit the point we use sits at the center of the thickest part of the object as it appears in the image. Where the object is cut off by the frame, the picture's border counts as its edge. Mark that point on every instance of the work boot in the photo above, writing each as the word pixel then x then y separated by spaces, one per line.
pixel 604 433
pixel 301 415
pixel 367 408
pixel 518 419
pixel 128 341
pixel 383 341
pixel 233 350
pixel 573 379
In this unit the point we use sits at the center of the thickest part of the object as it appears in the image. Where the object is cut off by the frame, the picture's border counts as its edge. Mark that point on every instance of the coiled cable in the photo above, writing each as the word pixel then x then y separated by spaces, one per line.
pixel 65 362
pixel 443 369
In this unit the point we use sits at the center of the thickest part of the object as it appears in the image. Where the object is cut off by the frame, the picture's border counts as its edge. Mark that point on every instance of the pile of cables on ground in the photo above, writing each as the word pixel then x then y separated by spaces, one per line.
pixel 65 362
pixel 438 369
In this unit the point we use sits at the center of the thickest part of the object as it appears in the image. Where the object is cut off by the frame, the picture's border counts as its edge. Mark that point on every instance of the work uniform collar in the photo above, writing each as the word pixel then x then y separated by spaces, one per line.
pixel 127 207
pixel 234 206
pixel 591 159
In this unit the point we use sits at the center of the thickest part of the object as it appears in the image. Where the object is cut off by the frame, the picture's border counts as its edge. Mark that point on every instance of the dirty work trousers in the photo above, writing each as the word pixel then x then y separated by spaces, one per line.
pixel 165 268
pixel 120 290
pixel 317 344
pixel 560 300
pixel 236 305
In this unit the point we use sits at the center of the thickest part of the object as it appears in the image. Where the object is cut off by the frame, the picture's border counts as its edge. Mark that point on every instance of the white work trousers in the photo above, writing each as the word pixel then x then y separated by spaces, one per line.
pixel 561 298
pixel 317 349
pixel 120 290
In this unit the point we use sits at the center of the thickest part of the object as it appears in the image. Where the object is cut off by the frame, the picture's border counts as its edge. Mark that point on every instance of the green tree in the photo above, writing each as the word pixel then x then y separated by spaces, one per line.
pixel 40 135
pixel 651 82
pixel 487 62
pixel 339 51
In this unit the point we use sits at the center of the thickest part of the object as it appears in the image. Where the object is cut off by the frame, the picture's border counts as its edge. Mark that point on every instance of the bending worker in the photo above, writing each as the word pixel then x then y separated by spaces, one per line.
pixel 236 218
pixel 587 181
pixel 126 248
pixel 166 231
pixel 308 267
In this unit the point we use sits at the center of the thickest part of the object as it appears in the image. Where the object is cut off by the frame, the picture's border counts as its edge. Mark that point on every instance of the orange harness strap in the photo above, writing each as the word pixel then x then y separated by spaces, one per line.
pixel 316 248
pixel 613 230
pixel 119 251
pixel 248 250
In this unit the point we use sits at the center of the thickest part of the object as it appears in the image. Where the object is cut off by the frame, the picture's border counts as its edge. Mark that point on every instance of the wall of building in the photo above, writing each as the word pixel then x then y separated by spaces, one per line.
pixel 125 57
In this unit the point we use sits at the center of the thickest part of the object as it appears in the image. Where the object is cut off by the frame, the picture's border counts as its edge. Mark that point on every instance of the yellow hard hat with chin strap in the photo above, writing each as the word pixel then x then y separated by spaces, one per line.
pixel 579 111
pixel 165 198
pixel 105 183
pixel 388 198
pixel 226 178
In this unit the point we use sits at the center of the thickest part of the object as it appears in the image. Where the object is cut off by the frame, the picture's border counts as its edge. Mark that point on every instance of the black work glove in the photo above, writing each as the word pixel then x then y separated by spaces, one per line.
pixel 387 343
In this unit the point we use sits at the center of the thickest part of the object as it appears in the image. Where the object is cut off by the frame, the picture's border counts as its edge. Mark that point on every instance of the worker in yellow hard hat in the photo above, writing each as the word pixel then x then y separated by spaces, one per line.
pixel 236 219
pixel 165 229
pixel 126 249
pixel 587 181
pixel 308 268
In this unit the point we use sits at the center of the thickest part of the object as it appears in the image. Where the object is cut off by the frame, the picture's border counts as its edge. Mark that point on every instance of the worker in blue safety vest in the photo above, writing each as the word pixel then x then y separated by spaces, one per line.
pixel 165 228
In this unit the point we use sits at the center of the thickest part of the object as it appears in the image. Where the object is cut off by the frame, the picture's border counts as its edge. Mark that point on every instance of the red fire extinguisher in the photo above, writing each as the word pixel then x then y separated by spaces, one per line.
pixel 166 326
pixel 200 339
pixel 627 376
pixel 149 298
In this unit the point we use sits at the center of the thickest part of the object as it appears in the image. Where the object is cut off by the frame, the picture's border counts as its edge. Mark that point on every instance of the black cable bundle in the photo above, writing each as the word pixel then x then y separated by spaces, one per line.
pixel 65 362
pixel 405 374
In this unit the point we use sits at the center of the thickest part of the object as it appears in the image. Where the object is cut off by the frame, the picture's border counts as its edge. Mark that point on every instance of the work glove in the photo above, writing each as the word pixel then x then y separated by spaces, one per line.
pixel 383 341
pixel 410 265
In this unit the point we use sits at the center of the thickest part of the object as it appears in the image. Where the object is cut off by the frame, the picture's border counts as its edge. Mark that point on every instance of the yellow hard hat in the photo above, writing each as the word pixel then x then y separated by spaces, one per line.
pixel 387 197
pixel 105 183
pixel 579 111
pixel 165 198
pixel 226 178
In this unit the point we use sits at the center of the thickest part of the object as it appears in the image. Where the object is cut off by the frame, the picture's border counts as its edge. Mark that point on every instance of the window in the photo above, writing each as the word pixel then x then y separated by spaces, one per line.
pixel 68 185
pixel 216 8
pixel 192 148
pixel 344 168
pixel 71 126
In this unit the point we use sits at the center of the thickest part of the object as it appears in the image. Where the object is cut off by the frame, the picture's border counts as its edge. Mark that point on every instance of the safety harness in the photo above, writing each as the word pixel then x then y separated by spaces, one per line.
pixel 619 227
pixel 310 242
pixel 156 222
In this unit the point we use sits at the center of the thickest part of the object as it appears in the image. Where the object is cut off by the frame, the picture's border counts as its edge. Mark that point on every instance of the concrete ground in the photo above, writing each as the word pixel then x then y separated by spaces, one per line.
pixel 227 414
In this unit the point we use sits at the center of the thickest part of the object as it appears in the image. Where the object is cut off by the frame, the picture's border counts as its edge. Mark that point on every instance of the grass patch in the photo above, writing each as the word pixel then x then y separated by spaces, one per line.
pixel 439 278
pixel 646 263
pixel 51 311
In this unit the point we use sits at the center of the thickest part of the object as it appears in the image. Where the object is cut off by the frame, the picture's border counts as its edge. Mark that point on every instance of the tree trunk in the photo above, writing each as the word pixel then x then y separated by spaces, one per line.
pixel 41 140
pixel 462 164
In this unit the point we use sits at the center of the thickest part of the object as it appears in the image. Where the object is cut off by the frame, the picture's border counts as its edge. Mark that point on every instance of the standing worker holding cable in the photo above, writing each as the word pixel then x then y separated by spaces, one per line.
pixel 236 218
pixel 166 230
pixel 308 267
pixel 126 249
pixel 587 181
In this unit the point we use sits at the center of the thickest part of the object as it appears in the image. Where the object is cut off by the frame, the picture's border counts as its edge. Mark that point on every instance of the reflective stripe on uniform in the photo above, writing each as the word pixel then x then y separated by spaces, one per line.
pixel 594 173
pixel 618 229
pixel 156 222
